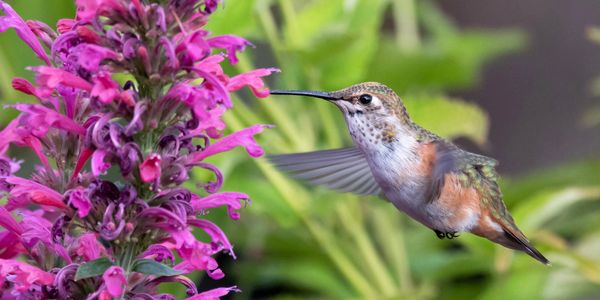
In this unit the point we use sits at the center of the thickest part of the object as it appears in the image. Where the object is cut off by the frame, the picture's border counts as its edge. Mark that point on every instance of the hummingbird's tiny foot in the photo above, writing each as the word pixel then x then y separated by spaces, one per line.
pixel 440 234
pixel 451 235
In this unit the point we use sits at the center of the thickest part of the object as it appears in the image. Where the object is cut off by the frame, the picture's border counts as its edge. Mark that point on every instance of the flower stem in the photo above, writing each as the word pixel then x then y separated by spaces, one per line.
pixel 373 261
pixel 407 31
pixel 393 245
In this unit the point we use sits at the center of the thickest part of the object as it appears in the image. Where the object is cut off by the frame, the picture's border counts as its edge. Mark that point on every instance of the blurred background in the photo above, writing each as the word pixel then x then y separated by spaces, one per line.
pixel 513 80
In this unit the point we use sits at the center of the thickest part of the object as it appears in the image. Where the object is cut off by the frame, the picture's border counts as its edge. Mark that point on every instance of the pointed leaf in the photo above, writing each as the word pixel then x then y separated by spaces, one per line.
pixel 93 268
pixel 152 267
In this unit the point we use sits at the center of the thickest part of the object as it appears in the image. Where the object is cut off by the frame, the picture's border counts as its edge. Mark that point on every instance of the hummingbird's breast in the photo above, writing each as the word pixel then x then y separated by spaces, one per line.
pixel 395 161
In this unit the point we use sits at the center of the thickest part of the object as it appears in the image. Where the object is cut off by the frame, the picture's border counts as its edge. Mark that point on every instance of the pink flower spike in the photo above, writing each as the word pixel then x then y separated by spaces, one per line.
pixel 214 294
pixel 23 275
pixel 150 168
pixel 52 77
pixel 244 138
pixel 252 79
pixel 25 191
pixel 99 166
pixel 115 281
pixel 105 88
pixel 78 197
pixel 12 20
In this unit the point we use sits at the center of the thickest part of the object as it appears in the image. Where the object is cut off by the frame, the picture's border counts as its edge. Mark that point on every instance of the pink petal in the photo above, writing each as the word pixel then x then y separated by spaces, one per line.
pixel 89 247
pixel 84 155
pixel 64 25
pixel 214 294
pixel 23 275
pixel 25 191
pixel 8 222
pixel 19 135
pixel 10 245
pixel 105 88
pixel 86 9
pixel 115 281
pixel 90 56
pixel 231 43
pixel 244 138
pixel 40 118
pixel 78 197
pixel 252 79
pixel 52 77
pixel 233 201
pixel 12 20
pixel 24 86
pixel 150 168
pixel 217 235
pixel 99 166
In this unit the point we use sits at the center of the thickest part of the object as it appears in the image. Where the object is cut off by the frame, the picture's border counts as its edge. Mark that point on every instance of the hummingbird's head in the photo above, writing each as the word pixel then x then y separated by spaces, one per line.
pixel 372 110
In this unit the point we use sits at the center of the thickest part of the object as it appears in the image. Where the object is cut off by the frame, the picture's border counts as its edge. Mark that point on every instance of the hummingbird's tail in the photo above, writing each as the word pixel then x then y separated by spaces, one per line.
pixel 517 241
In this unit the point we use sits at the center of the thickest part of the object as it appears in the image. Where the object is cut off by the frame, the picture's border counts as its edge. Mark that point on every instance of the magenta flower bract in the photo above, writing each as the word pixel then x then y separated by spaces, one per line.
pixel 115 280
pixel 106 193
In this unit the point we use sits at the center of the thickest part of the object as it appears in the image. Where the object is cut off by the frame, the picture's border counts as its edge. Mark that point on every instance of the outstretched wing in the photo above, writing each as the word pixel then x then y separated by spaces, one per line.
pixel 344 170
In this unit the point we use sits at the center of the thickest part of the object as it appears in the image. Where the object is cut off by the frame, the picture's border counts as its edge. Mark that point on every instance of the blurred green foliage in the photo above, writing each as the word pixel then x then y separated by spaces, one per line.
pixel 297 242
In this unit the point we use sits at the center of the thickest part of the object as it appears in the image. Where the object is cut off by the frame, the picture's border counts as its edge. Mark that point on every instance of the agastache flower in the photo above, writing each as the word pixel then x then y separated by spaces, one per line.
pixel 66 217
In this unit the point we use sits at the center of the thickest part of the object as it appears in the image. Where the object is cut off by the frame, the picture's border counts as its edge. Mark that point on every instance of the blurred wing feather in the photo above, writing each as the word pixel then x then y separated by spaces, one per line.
pixel 344 170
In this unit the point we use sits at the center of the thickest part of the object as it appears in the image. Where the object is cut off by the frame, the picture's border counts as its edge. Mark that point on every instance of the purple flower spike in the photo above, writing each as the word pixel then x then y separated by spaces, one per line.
pixel 166 119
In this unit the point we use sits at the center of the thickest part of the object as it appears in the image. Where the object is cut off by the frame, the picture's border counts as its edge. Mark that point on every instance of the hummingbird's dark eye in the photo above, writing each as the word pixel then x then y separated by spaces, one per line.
pixel 365 99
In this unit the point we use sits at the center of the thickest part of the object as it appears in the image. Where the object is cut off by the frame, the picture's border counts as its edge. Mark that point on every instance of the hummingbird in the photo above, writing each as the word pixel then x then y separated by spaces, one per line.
pixel 432 180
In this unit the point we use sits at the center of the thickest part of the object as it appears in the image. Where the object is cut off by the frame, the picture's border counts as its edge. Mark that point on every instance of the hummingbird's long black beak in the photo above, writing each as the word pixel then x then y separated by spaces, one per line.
pixel 321 95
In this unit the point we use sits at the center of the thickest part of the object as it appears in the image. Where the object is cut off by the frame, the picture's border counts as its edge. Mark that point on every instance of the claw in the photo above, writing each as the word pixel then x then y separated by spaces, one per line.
pixel 451 235
pixel 440 234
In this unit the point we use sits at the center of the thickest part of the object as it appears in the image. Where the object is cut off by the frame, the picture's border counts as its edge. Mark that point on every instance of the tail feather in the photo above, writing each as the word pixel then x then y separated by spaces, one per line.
pixel 519 242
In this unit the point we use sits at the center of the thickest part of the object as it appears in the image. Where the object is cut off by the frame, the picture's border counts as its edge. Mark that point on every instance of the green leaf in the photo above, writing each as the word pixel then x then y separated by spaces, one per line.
pixel 93 268
pixel 152 267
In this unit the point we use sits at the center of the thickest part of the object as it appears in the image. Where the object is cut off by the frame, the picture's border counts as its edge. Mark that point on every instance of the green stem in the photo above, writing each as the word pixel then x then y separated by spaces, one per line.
pixel 373 261
pixel 407 31
pixel 393 245
pixel 289 17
